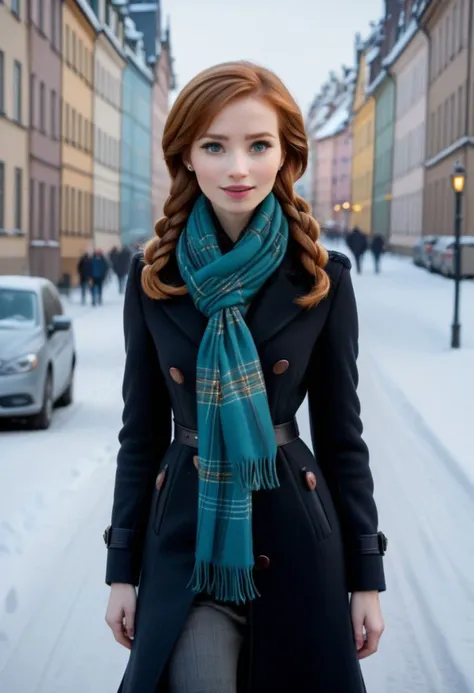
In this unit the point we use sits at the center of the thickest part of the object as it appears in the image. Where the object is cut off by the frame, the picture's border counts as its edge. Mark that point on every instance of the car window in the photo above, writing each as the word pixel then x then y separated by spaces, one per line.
pixel 18 309
pixel 58 306
pixel 48 305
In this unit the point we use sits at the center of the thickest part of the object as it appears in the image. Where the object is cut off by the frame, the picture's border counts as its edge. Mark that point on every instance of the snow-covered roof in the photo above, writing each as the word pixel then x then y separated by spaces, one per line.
pixel 372 54
pixel 402 43
pixel 373 86
pixel 90 14
pixel 139 63
pixel 337 121
pixel 143 7
pixel 131 32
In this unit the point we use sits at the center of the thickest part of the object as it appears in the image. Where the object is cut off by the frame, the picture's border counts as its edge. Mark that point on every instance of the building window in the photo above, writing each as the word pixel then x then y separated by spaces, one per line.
pixel 18 197
pixel 32 100
pixel 54 106
pixel 65 208
pixel 68 44
pixel 73 210
pixel 66 121
pixel 31 205
pixel 73 61
pixel 73 127
pixel 53 36
pixel 41 208
pixel 16 7
pixel 80 131
pixel 2 195
pixel 79 56
pixel 40 15
pixel 461 111
pixel 17 91
pixel 448 40
pixel 52 211
pixel 79 212
pixel 2 82
pixel 42 107
pixel 452 120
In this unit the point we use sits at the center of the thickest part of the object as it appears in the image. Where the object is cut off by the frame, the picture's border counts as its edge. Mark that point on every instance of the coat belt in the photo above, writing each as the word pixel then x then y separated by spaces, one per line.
pixel 285 433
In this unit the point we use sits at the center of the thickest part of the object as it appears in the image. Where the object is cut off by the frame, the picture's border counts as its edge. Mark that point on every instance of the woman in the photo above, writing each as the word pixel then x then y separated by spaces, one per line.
pixel 244 544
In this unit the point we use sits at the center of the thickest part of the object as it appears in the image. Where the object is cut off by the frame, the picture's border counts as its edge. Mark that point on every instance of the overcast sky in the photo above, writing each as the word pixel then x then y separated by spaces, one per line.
pixel 301 40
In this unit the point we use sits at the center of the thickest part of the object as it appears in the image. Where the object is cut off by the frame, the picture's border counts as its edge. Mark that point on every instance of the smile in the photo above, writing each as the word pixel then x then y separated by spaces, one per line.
pixel 237 192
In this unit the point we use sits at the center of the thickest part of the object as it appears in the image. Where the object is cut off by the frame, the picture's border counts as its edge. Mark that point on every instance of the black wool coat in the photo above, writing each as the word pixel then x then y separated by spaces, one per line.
pixel 299 637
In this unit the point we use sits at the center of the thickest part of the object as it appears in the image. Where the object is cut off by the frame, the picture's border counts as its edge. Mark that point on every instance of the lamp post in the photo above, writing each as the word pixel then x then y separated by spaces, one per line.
pixel 458 180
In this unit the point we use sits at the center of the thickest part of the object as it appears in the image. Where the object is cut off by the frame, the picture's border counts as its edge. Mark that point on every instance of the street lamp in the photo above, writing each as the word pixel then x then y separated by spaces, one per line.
pixel 458 180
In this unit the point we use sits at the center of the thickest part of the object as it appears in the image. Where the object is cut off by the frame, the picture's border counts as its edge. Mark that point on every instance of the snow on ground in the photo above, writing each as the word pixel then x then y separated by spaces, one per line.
pixel 50 481
pixel 405 318
pixel 56 492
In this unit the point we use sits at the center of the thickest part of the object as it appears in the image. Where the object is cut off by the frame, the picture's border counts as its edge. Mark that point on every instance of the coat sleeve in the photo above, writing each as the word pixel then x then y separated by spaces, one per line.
pixel 144 437
pixel 336 432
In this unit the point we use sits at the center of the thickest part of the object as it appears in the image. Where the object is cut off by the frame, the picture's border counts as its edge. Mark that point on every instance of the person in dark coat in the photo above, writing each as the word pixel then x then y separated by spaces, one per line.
pixel 358 244
pixel 377 247
pixel 99 270
pixel 84 270
pixel 243 542
pixel 121 266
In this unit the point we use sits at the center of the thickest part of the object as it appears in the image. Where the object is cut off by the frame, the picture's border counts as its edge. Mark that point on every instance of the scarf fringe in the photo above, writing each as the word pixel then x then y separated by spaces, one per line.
pixel 224 583
pixel 257 475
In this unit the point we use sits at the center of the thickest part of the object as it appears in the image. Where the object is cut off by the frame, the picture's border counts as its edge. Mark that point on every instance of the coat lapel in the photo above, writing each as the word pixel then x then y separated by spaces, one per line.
pixel 271 310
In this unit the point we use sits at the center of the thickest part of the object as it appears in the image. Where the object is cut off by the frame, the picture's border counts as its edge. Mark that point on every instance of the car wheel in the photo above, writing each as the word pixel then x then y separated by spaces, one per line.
pixel 43 419
pixel 67 397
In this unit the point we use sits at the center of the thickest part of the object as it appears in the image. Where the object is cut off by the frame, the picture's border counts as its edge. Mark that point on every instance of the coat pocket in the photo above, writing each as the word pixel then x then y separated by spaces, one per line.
pixel 310 489
pixel 306 483
pixel 163 486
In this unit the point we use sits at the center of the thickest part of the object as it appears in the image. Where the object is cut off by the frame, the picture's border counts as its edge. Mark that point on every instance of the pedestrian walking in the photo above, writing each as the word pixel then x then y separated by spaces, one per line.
pixel 120 263
pixel 377 247
pixel 84 270
pixel 357 242
pixel 243 543
pixel 98 273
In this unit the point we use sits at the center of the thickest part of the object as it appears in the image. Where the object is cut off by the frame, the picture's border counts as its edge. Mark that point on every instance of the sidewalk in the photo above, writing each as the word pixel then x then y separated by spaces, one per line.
pixel 74 308
pixel 405 316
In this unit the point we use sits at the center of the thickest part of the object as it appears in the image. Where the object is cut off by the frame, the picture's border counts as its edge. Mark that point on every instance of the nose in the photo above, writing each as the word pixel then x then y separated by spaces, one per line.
pixel 238 167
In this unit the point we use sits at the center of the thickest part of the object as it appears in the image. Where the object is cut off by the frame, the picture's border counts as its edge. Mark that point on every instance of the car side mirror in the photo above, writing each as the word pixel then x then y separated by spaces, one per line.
pixel 59 323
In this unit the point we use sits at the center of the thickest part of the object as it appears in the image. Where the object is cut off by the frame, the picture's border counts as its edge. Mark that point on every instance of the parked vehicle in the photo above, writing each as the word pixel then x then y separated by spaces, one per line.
pixel 421 249
pixel 441 244
pixel 37 350
pixel 446 263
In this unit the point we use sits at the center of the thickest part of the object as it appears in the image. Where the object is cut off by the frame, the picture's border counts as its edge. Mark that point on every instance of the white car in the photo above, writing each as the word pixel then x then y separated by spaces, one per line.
pixel 37 350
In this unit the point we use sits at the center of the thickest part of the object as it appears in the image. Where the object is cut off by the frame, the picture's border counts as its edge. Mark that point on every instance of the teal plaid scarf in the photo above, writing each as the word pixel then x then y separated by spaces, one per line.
pixel 236 444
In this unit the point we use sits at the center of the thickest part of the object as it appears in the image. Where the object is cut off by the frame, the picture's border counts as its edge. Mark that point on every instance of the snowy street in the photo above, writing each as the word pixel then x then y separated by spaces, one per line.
pixel 56 489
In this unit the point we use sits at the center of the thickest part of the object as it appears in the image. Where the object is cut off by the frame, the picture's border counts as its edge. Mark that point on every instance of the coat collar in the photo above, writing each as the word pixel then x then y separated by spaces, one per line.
pixel 272 308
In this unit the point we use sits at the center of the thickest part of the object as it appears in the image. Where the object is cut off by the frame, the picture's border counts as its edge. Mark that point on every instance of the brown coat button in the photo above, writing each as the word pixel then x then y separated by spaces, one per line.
pixel 177 376
pixel 196 461
pixel 311 480
pixel 160 479
pixel 262 562
pixel 281 366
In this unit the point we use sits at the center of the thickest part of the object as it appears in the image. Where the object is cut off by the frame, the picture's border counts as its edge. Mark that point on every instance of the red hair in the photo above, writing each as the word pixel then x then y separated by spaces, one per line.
pixel 193 111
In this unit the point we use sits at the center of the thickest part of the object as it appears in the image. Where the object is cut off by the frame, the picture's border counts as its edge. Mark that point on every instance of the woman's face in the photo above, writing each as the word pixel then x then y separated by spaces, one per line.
pixel 237 160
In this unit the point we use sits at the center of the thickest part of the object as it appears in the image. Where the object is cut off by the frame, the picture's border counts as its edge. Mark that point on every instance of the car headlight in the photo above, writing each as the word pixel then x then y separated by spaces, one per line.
pixel 23 364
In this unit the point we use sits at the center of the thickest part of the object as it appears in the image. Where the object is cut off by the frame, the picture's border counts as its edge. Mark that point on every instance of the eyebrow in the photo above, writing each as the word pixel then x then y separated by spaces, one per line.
pixel 224 138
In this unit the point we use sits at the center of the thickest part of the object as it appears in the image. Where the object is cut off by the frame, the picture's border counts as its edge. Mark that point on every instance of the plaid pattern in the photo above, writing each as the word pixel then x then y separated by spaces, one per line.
pixel 237 446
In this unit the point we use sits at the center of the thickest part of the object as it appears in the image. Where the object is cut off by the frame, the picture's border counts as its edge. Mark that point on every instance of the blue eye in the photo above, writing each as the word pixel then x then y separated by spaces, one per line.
pixel 208 146
pixel 262 146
